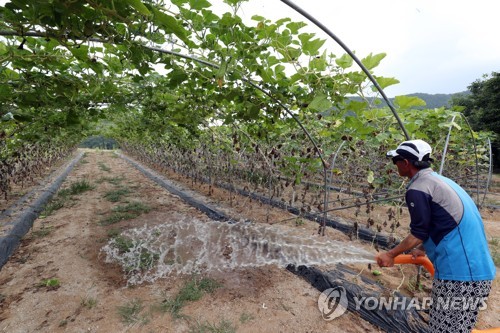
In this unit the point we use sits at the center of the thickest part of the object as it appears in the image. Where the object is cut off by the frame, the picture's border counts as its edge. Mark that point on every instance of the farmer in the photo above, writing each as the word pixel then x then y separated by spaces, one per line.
pixel 445 225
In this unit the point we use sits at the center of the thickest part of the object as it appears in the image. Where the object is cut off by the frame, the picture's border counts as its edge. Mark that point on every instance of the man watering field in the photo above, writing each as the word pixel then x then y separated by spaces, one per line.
pixel 445 225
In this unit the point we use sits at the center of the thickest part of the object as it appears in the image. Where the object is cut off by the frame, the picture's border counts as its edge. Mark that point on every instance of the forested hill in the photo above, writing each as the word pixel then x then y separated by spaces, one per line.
pixel 432 100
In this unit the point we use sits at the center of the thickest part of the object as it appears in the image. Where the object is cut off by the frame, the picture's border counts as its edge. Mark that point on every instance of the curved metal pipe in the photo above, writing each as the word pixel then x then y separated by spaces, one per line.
pixel 445 149
pixel 353 56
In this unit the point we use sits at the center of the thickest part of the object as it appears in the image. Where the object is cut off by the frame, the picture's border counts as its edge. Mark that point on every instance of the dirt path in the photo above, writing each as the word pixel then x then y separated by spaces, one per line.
pixel 57 281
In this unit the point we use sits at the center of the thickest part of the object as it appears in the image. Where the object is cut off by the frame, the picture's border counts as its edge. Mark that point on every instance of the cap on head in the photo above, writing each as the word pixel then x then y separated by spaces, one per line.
pixel 413 150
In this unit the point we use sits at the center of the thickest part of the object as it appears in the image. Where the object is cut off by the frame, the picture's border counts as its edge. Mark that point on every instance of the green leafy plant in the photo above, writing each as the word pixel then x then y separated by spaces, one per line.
pixel 130 313
pixel 116 195
pixel 52 206
pixel 42 232
pixel 495 250
pixel 125 212
pixel 113 232
pixel 246 317
pixel 88 302
pixel 104 167
pixel 224 326
pixel 50 284
pixel 192 291
pixel 112 180
pixel 80 186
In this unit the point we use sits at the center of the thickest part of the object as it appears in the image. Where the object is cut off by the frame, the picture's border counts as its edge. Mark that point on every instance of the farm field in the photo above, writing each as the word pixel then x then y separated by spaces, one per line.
pixel 59 281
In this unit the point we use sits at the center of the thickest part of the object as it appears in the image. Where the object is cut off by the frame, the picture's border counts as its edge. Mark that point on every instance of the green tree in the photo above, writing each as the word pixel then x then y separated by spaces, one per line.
pixel 482 108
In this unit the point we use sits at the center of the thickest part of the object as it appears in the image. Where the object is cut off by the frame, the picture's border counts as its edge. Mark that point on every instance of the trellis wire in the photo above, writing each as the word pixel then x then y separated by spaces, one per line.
pixel 445 149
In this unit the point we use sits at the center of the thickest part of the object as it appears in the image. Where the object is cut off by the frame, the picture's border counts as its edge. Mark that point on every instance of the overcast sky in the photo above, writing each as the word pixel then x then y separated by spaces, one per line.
pixel 432 46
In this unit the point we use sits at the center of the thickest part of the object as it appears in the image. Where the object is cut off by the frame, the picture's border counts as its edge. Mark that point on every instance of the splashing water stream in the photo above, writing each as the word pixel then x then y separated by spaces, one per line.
pixel 193 246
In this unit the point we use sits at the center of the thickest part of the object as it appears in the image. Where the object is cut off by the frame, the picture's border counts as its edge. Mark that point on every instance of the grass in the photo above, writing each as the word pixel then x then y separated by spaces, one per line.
pixel 125 212
pixel 246 317
pixel 42 232
pixel 192 291
pixel 63 195
pixel 130 313
pixel 104 167
pixel 116 195
pixel 114 232
pixel 117 217
pixel 146 258
pixel 412 286
pixel 299 222
pixel 123 244
pixel 52 283
pixel 495 250
pixel 80 187
pixel 133 207
pixel 112 180
pixel 52 206
pixel 88 302
pixel 224 326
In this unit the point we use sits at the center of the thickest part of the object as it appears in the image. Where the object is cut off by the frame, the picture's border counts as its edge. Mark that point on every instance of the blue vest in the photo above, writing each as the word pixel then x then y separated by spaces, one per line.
pixel 448 222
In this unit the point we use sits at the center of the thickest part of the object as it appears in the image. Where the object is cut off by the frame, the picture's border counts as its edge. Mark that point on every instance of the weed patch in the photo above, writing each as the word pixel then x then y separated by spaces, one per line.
pixel 104 167
pixel 111 180
pixel 42 232
pixel 133 207
pixel 192 291
pixel 495 250
pixel 80 187
pixel 246 317
pixel 117 217
pixel 50 284
pixel 131 312
pixel 63 195
pixel 143 258
pixel 116 195
pixel 88 302
pixel 52 206
pixel 125 212
pixel 114 232
pixel 224 326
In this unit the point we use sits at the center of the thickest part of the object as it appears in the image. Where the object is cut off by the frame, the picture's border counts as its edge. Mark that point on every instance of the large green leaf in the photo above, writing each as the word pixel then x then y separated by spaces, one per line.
pixel 177 77
pixel 139 6
pixel 5 92
pixel 80 53
pixel 3 48
pixel 385 82
pixel 295 26
pixel 320 103
pixel 405 102
pixel 199 4
pixel 344 62
pixel 179 3
pixel 170 24
pixel 372 61
pixel 258 18
pixel 311 47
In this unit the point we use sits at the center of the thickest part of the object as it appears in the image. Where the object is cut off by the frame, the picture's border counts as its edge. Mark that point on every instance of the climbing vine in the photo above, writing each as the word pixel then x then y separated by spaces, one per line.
pixel 258 106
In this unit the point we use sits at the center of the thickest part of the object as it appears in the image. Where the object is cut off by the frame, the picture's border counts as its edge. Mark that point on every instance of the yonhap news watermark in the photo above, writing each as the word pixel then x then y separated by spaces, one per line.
pixel 333 302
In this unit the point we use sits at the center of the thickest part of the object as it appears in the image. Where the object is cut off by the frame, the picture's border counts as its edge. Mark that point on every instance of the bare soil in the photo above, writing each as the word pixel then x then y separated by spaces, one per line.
pixel 89 295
